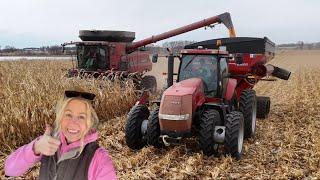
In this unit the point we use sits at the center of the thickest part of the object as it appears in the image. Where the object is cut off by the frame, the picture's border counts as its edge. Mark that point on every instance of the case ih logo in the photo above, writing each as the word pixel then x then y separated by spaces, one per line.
pixel 175 102
pixel 243 64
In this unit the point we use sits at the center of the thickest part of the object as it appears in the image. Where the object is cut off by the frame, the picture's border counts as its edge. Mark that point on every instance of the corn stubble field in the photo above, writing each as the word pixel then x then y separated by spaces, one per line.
pixel 286 146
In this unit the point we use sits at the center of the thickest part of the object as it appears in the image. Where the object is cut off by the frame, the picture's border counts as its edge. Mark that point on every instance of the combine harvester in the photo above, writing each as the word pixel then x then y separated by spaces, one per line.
pixel 212 99
pixel 112 54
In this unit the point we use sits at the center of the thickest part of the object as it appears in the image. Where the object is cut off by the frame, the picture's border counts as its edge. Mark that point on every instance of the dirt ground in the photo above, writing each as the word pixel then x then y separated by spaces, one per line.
pixel 286 146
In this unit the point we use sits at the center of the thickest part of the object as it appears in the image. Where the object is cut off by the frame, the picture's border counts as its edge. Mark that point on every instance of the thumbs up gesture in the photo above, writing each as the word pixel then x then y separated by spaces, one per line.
pixel 46 145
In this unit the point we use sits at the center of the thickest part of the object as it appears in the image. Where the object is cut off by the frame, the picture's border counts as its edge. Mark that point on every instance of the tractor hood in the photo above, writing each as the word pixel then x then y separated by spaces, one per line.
pixel 190 87
pixel 178 104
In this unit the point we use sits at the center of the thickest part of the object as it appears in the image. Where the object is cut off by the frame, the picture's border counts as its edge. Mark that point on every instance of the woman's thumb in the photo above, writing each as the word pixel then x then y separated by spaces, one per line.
pixel 48 130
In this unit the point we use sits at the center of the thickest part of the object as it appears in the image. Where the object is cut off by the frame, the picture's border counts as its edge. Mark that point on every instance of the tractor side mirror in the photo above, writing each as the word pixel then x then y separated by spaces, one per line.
pixel 155 58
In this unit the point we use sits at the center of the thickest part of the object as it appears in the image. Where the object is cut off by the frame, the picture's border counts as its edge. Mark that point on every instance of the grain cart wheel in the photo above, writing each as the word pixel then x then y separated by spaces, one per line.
pixel 234 134
pixel 153 130
pixel 150 83
pixel 134 136
pixel 248 107
pixel 263 107
pixel 208 120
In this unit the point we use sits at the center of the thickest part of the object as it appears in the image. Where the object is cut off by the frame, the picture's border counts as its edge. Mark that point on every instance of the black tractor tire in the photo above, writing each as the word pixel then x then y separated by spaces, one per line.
pixel 208 120
pixel 133 135
pixel 153 130
pixel 106 35
pixel 234 134
pixel 248 107
pixel 263 107
pixel 149 83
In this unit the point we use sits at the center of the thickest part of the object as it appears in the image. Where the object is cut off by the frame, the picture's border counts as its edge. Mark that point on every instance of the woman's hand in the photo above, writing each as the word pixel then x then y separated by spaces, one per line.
pixel 46 145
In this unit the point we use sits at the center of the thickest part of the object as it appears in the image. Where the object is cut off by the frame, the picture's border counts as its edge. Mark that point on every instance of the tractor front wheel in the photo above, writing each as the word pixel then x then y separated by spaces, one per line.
pixel 234 134
pixel 263 107
pixel 248 107
pixel 153 130
pixel 208 120
pixel 133 133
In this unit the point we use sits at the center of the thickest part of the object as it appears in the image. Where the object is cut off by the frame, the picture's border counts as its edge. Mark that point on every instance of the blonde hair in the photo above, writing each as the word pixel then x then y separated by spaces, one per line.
pixel 91 122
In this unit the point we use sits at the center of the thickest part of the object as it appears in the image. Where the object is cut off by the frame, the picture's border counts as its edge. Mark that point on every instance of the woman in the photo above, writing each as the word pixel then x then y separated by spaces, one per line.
pixel 71 151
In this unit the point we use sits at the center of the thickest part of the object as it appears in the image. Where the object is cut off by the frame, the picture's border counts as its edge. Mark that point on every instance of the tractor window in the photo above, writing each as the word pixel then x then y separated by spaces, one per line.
pixel 224 74
pixel 91 58
pixel 201 66
pixel 102 58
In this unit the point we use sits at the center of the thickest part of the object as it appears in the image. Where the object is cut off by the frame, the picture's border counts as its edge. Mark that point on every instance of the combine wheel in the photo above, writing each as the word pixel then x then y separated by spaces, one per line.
pixel 153 130
pixel 263 107
pixel 248 107
pixel 208 120
pixel 134 137
pixel 149 83
pixel 234 134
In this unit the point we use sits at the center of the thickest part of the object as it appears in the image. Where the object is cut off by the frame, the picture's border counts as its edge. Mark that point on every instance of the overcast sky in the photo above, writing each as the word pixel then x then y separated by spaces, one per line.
pixel 35 23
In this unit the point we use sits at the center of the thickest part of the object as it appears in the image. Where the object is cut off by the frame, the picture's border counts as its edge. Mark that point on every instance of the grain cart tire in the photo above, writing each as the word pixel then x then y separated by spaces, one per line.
pixel 263 107
pixel 134 137
pixel 106 35
pixel 234 134
pixel 248 107
pixel 153 130
pixel 208 120
pixel 149 83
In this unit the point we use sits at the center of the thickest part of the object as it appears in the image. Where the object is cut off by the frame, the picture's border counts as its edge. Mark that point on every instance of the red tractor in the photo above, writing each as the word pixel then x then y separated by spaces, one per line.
pixel 212 99
pixel 112 54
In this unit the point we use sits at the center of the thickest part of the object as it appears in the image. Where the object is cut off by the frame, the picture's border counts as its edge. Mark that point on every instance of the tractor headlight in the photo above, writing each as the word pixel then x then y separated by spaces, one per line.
pixel 174 117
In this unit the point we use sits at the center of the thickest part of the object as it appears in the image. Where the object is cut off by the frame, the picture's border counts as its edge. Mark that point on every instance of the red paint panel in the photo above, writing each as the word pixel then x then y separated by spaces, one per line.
pixel 117 50
pixel 202 51
pixel 231 86
pixel 193 87
pixel 139 62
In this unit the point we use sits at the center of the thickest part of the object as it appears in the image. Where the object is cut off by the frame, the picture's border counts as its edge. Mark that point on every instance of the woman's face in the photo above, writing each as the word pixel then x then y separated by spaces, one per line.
pixel 74 120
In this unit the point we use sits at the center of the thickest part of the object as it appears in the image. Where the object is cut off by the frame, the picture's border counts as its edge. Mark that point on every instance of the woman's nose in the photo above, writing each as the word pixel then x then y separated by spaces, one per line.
pixel 74 119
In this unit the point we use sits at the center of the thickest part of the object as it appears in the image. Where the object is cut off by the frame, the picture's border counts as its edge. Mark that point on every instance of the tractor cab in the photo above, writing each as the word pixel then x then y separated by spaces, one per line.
pixel 92 57
pixel 209 65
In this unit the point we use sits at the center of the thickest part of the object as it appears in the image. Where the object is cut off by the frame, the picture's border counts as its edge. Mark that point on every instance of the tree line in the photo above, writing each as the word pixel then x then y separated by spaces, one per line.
pixel 174 46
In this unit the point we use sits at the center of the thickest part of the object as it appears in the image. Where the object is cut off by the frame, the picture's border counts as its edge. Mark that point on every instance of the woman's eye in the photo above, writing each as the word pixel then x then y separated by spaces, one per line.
pixel 68 115
pixel 82 117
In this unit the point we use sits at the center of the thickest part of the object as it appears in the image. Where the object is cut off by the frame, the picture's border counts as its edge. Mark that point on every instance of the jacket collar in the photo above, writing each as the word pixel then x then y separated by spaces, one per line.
pixel 65 147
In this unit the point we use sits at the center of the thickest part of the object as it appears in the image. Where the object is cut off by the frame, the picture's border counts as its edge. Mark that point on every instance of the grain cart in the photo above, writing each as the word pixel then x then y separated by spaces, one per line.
pixel 114 55
pixel 212 100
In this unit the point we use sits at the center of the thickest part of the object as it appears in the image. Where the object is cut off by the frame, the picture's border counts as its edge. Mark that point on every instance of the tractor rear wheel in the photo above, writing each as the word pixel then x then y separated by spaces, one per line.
pixel 208 120
pixel 134 137
pixel 153 130
pixel 248 107
pixel 234 134
pixel 149 83
pixel 263 107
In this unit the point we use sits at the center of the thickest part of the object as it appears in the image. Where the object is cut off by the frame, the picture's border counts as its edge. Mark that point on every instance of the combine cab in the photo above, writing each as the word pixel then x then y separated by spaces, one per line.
pixel 212 99
pixel 113 54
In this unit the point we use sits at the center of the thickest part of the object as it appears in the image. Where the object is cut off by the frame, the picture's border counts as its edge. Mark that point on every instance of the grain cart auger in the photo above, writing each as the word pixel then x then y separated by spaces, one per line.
pixel 112 54
pixel 212 100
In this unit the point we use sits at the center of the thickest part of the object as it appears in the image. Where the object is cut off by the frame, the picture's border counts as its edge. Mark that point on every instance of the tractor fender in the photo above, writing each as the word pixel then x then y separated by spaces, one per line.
pixel 231 86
